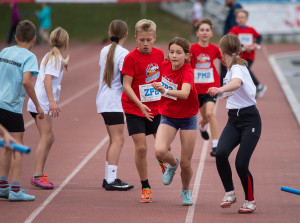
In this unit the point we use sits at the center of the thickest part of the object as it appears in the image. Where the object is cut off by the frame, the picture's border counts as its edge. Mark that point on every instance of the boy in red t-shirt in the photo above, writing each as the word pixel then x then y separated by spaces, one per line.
pixel 250 40
pixel 203 55
pixel 139 100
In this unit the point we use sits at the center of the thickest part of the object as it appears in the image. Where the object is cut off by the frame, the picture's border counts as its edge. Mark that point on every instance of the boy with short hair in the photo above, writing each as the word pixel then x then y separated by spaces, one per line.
pixel 17 65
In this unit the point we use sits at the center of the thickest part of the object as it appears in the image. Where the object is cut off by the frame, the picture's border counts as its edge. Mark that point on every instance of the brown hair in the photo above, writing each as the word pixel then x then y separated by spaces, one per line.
pixel 183 43
pixel 117 30
pixel 25 31
pixel 230 45
pixel 59 39
pixel 145 25
pixel 204 21
pixel 237 11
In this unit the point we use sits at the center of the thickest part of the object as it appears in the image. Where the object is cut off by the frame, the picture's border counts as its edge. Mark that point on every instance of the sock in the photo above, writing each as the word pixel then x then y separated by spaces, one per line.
pixel 37 176
pixel 106 164
pixel 111 173
pixel 15 186
pixel 3 182
pixel 215 143
pixel 145 184
pixel 202 129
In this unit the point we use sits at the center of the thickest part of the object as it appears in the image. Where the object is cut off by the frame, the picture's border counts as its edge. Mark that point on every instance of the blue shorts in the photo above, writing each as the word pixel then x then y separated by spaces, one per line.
pixel 190 123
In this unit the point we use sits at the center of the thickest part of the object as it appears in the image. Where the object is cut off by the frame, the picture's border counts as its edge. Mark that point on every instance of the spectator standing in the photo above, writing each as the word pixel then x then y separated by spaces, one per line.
pixel 15 18
pixel 44 17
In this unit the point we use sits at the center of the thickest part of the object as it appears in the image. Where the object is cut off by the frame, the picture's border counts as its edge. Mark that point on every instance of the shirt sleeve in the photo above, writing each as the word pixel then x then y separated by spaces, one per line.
pixel 53 69
pixel 237 73
pixel 121 61
pixel 188 76
pixel 128 66
pixel 31 65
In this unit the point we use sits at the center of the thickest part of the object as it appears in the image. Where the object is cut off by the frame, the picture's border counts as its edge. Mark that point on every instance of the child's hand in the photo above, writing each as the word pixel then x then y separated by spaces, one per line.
pixel 8 139
pixel 40 112
pixel 54 109
pixel 158 86
pixel 212 91
pixel 248 48
pixel 66 62
pixel 146 112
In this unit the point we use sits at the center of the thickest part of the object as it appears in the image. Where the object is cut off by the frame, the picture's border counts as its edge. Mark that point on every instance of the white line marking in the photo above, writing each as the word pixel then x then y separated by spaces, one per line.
pixel 37 211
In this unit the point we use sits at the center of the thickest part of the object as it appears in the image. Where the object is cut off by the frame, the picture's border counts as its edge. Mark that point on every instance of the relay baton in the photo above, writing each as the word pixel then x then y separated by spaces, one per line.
pixel 290 190
pixel 17 147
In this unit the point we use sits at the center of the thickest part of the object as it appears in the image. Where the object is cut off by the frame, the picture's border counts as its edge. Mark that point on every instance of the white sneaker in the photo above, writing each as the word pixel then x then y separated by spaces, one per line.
pixel 261 91
pixel 229 199
pixel 248 207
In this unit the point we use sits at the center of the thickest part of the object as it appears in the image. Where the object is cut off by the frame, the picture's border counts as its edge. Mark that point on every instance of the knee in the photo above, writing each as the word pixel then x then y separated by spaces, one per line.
pixel 221 154
pixel 241 168
pixel 141 151
pixel 209 115
pixel 50 139
pixel 185 164
pixel 160 154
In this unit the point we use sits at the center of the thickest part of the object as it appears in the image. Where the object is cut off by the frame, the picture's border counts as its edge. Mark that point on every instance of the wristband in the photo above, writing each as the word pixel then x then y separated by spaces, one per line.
pixel 166 91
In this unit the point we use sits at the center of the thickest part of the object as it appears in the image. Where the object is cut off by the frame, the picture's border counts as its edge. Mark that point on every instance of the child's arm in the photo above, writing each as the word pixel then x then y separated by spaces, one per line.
pixel 65 62
pixel 234 84
pixel 31 93
pixel 53 108
pixel 182 94
pixel 127 81
pixel 7 137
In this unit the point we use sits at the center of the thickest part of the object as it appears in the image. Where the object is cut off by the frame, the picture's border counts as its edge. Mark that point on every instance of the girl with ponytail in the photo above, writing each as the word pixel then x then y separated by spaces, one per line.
pixel 243 127
pixel 108 101
pixel 47 89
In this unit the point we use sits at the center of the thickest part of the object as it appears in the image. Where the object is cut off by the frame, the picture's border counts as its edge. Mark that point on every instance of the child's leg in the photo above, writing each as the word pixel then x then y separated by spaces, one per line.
pixel 203 119
pixel 46 140
pixel 188 140
pixel 254 79
pixel 5 162
pixel 209 110
pixel 116 135
pixel 164 137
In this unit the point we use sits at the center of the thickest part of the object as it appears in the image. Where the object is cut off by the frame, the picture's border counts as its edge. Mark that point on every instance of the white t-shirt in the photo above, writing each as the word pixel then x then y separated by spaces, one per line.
pixel 109 99
pixel 57 73
pixel 245 95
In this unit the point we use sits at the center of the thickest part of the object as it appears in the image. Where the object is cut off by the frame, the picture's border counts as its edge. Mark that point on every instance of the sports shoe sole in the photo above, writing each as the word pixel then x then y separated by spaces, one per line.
pixel 119 188
pixel 44 188
pixel 146 201
pixel 227 205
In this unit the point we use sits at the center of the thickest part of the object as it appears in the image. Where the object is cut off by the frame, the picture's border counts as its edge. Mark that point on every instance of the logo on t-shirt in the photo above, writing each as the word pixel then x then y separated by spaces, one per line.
pixel 203 61
pixel 152 72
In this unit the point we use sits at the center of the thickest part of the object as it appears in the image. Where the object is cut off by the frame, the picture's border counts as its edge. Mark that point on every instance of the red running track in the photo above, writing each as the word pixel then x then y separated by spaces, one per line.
pixel 76 161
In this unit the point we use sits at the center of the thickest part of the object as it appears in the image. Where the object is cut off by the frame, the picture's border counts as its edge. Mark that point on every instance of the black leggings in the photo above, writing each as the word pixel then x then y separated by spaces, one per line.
pixel 254 79
pixel 244 128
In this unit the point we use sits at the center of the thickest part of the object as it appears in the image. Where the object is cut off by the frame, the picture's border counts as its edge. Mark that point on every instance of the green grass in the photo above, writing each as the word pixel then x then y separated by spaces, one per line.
pixel 89 22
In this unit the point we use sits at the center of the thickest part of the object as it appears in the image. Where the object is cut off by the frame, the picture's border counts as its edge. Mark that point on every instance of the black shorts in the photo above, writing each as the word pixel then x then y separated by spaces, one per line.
pixel 13 122
pixel 33 114
pixel 113 118
pixel 137 124
pixel 203 98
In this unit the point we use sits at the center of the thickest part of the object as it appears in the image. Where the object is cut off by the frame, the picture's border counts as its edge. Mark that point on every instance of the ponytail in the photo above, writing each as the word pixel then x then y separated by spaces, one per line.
pixel 53 54
pixel 237 60
pixel 109 67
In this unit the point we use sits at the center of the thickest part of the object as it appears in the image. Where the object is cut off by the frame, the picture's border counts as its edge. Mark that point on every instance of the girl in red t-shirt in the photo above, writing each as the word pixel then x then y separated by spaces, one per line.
pixel 178 109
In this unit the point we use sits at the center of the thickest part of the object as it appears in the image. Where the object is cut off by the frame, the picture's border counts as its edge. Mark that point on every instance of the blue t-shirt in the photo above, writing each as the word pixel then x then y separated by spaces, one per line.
pixel 45 17
pixel 14 61
pixel 230 19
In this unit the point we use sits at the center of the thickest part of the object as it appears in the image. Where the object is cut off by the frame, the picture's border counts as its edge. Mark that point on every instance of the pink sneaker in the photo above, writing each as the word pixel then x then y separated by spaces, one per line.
pixel 42 182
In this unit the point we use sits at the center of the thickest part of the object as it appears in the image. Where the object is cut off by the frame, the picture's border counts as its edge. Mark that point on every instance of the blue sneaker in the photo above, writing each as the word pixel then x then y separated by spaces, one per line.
pixel 169 174
pixel 20 196
pixel 186 198
pixel 4 192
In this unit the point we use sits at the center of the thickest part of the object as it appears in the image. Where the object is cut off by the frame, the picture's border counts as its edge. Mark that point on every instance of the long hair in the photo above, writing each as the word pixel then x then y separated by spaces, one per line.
pixel 183 43
pixel 59 39
pixel 231 45
pixel 117 30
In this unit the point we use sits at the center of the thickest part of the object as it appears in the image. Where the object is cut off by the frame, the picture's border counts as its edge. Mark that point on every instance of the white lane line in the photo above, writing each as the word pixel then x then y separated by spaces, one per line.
pixel 37 211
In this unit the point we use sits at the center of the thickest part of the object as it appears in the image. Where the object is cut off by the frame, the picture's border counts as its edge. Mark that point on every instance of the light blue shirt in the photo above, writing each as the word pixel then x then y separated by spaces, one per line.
pixel 45 17
pixel 14 61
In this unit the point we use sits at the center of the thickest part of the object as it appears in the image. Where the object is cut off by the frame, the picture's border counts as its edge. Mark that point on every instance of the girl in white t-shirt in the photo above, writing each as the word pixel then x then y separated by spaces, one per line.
pixel 243 127
pixel 47 89
pixel 108 101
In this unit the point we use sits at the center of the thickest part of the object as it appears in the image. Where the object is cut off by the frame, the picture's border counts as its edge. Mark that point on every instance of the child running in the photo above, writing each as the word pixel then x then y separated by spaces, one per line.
pixel 243 127
pixel 17 65
pixel 140 100
pixel 250 40
pixel 178 109
pixel 109 101
pixel 203 55
pixel 47 89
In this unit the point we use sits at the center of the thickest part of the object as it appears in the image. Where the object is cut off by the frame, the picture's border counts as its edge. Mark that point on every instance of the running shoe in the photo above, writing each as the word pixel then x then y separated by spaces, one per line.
pixel 204 135
pixel 163 166
pixel 20 196
pixel 248 207
pixel 229 199
pixel 4 192
pixel 213 152
pixel 42 182
pixel 118 184
pixel 169 174
pixel 104 183
pixel 186 198
pixel 261 91
pixel 146 195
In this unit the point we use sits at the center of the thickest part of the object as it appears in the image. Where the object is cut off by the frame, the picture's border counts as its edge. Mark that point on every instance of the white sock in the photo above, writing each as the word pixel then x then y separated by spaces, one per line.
pixel 106 164
pixel 111 173
pixel 202 129
pixel 215 143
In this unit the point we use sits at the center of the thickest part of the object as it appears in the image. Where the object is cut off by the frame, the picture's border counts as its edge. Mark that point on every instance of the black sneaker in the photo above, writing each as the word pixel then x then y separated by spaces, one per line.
pixel 213 152
pixel 104 183
pixel 118 185
pixel 204 135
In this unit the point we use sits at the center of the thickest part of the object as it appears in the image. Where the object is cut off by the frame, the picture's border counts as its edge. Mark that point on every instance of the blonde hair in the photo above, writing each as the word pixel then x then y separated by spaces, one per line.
pixel 237 11
pixel 145 25
pixel 117 30
pixel 204 21
pixel 183 43
pixel 59 39
pixel 231 45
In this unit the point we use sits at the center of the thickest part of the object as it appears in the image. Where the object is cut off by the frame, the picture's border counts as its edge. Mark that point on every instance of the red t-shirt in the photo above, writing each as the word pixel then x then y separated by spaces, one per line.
pixel 247 36
pixel 179 108
pixel 202 61
pixel 145 69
